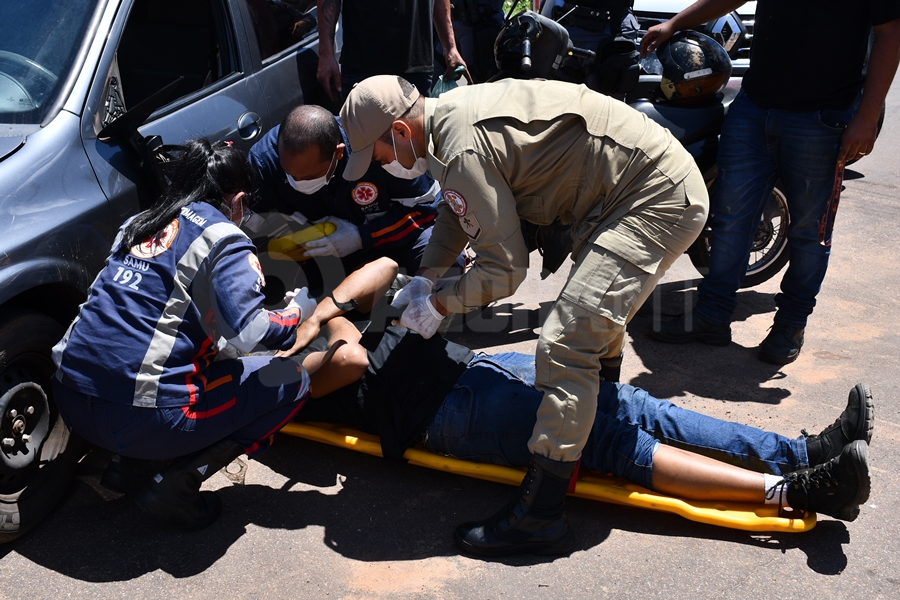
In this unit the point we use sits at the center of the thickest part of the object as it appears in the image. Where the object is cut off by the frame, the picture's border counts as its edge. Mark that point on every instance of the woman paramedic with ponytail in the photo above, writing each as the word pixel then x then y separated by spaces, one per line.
pixel 137 370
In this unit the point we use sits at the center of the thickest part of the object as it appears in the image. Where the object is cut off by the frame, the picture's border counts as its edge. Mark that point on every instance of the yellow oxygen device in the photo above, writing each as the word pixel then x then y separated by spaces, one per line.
pixel 290 247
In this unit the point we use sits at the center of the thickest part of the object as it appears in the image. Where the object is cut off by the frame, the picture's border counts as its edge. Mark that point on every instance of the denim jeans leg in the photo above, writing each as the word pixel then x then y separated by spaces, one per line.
pixel 729 442
pixel 808 147
pixel 490 414
pixel 487 417
pixel 747 174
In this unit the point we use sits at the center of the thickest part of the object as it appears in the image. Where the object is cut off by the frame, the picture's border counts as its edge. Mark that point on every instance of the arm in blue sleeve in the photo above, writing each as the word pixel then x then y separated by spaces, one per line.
pixel 235 283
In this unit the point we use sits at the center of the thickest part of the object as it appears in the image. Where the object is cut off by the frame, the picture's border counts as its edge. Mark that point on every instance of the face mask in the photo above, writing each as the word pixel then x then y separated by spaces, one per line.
pixel 399 171
pixel 311 186
pixel 248 214
pixel 244 205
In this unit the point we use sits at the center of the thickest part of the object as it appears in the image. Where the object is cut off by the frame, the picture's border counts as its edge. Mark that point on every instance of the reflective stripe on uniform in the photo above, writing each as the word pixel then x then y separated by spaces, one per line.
pixel 147 378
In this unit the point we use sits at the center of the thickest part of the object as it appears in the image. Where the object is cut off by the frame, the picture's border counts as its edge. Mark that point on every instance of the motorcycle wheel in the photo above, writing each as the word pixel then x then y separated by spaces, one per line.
pixel 769 252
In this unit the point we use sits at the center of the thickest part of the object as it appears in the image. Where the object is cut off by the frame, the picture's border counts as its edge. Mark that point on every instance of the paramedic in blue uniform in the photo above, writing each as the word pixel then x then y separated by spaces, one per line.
pixel 299 166
pixel 138 373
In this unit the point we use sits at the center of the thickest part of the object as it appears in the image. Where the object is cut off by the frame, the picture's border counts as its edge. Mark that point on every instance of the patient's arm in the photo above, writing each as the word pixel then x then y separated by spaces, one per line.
pixel 365 285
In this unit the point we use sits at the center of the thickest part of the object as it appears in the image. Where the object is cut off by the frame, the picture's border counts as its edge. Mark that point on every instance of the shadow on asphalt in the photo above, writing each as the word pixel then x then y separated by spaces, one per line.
pixel 498 325
pixel 367 509
pixel 731 373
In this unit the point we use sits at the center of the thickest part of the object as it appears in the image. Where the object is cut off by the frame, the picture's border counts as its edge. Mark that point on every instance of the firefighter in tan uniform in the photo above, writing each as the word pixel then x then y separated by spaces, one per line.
pixel 537 151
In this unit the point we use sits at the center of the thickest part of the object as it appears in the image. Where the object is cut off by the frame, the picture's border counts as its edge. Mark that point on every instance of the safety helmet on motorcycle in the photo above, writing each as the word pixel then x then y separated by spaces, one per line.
pixel 695 68
pixel 530 45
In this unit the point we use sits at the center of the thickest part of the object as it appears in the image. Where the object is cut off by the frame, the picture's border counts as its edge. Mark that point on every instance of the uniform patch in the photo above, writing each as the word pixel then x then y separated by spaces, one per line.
pixel 456 201
pixel 154 247
pixel 471 226
pixel 364 193
pixel 254 264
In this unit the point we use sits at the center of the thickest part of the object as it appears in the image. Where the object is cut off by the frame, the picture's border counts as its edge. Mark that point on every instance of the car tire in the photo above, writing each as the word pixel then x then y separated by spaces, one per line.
pixel 38 453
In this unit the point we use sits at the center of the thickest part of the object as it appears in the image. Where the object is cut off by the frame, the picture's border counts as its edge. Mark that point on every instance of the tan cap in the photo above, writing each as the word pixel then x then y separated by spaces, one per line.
pixel 372 105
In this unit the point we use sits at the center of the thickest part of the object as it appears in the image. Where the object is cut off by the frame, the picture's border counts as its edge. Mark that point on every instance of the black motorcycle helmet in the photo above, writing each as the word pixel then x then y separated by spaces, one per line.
pixel 531 46
pixel 695 68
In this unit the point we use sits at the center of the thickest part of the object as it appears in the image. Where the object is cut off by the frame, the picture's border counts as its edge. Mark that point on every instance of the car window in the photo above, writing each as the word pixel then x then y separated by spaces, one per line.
pixel 279 24
pixel 167 39
pixel 39 41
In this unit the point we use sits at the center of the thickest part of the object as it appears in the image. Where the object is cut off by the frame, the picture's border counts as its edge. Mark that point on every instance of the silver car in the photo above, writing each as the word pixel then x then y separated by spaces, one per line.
pixel 88 89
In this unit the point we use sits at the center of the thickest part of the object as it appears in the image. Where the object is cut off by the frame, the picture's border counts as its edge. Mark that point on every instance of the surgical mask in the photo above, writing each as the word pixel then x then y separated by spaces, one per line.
pixel 311 186
pixel 399 171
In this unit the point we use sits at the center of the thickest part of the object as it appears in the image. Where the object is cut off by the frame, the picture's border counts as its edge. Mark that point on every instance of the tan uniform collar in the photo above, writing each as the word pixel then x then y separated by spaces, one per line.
pixel 436 166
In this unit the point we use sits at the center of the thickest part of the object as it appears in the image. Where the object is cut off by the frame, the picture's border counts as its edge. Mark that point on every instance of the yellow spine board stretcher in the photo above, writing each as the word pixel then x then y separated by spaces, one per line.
pixel 734 515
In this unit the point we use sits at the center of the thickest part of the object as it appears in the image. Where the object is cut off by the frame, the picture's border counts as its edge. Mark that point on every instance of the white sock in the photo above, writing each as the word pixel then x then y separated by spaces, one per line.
pixel 773 485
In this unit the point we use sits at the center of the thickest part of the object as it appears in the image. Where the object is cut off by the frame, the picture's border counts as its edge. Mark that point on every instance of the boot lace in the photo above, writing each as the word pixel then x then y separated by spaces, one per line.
pixel 818 477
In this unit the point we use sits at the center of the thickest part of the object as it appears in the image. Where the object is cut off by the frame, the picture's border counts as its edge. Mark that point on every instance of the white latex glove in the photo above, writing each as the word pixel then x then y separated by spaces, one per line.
pixel 419 287
pixel 345 240
pixel 299 298
pixel 422 317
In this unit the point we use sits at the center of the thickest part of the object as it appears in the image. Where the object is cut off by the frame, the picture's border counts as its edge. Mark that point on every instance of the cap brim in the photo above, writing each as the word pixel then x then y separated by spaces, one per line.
pixel 358 163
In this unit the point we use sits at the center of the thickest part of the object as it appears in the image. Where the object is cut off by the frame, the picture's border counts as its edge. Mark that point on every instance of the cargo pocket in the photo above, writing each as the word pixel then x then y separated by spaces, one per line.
pixel 605 284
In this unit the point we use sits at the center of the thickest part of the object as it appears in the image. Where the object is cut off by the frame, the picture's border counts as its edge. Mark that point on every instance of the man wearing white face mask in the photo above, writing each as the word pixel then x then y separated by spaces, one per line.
pixel 542 152
pixel 299 166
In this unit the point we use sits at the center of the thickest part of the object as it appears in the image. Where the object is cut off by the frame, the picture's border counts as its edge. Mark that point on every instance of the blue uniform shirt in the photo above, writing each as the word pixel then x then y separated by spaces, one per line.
pixel 149 327
pixel 391 213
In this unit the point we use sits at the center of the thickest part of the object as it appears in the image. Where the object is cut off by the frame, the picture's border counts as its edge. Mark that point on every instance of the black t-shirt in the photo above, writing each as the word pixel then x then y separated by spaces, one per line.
pixel 406 382
pixel 387 37
pixel 810 54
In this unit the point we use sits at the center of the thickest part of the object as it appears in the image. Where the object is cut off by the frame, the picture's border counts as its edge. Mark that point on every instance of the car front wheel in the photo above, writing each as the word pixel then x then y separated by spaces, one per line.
pixel 38 453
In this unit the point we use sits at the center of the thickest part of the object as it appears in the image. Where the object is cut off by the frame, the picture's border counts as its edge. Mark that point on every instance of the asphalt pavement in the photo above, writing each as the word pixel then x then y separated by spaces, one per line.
pixel 312 521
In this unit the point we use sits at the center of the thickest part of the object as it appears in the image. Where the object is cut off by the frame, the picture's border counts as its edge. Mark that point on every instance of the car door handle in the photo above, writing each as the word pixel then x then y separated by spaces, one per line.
pixel 248 125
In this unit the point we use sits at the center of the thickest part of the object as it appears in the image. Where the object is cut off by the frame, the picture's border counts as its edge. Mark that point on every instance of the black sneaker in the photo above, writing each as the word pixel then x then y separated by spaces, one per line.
pixel 678 331
pixel 835 488
pixel 782 345
pixel 855 423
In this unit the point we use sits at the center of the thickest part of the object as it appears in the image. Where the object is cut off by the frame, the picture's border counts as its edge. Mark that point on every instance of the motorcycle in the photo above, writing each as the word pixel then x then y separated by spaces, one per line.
pixel 533 46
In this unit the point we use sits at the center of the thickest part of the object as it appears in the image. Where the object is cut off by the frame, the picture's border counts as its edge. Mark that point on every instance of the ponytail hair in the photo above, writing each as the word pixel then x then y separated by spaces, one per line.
pixel 201 173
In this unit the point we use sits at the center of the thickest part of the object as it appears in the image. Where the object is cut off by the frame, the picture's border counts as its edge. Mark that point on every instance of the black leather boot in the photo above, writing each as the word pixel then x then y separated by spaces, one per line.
pixel 782 345
pixel 611 368
pixel 125 475
pixel 174 493
pixel 534 522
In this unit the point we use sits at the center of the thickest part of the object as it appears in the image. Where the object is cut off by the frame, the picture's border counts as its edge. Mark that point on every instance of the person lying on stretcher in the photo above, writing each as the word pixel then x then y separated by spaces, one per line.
pixel 407 389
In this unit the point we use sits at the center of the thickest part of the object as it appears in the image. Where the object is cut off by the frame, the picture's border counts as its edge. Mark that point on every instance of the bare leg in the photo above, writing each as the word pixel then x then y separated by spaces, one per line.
pixel 344 362
pixel 687 475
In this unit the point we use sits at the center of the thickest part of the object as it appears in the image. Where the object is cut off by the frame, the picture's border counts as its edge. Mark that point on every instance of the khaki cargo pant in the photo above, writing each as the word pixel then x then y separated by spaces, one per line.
pixel 602 294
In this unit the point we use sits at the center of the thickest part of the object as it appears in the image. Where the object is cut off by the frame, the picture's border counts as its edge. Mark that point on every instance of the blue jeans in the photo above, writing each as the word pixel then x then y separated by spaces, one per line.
pixel 758 147
pixel 490 414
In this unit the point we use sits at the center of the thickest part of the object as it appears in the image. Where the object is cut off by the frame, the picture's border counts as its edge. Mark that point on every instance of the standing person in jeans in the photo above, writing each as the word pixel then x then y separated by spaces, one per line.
pixel 476 24
pixel 797 124
pixel 392 37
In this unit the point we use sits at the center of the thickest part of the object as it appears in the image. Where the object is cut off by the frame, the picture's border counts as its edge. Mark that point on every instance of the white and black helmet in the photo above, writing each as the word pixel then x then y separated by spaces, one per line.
pixel 695 68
